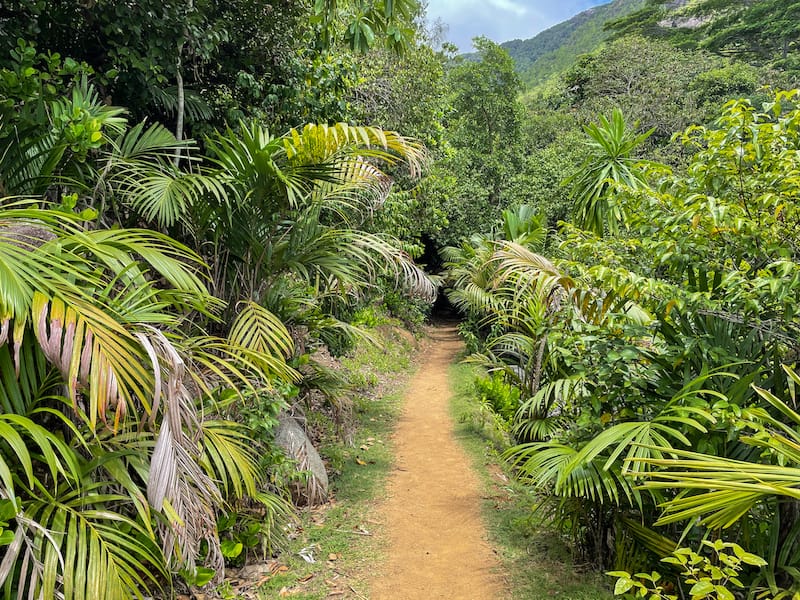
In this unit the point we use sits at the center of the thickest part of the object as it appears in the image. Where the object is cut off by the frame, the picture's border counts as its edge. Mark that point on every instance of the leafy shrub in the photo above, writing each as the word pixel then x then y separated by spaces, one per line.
pixel 469 333
pixel 411 311
pixel 369 316
pixel 706 578
pixel 498 395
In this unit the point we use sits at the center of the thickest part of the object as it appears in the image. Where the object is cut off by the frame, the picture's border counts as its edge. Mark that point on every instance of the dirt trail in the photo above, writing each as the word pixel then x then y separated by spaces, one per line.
pixel 436 540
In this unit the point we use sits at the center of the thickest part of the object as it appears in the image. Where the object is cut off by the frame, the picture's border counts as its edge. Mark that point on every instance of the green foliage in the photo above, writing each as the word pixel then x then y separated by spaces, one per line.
pixel 763 31
pixel 205 61
pixel 253 530
pixel 759 32
pixel 708 577
pixel 646 341
pixel 501 397
pixel 609 166
pixel 369 316
pixel 387 82
pixel 657 85
pixel 135 404
pixel 411 212
pixel 362 22
pixel 484 133
pixel 412 312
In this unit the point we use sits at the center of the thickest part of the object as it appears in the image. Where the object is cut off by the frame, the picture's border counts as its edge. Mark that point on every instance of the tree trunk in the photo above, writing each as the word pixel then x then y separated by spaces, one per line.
pixel 180 108
pixel 181 104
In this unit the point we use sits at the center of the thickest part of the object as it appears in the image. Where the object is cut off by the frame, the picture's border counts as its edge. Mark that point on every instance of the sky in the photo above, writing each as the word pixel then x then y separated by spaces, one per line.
pixel 501 20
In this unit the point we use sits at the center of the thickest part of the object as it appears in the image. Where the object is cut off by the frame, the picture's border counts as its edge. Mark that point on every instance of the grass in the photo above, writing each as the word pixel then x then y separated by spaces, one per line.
pixel 339 535
pixel 536 559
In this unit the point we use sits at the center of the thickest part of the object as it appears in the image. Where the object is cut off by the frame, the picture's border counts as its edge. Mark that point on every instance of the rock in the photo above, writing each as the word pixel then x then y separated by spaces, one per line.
pixel 25 235
pixel 292 439
pixel 253 572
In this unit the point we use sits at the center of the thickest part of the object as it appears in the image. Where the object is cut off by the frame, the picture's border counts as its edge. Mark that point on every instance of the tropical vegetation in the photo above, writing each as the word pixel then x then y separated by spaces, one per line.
pixel 201 203
pixel 654 348
pixel 647 332
pixel 154 292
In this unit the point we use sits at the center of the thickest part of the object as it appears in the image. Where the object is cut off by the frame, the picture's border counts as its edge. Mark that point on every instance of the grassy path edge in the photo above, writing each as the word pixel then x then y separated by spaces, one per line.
pixel 536 561
pixel 343 537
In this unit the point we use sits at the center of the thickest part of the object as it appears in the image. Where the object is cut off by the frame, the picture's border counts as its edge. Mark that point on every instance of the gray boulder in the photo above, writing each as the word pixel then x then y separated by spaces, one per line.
pixel 292 439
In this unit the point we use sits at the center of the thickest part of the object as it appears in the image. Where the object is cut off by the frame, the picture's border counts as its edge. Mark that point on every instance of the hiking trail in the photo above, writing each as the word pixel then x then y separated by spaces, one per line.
pixel 436 542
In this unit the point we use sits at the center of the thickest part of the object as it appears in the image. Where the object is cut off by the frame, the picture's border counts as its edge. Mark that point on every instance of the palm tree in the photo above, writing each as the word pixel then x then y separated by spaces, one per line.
pixel 118 363
pixel 104 364
pixel 292 217
pixel 111 474
pixel 609 167
pixel 722 492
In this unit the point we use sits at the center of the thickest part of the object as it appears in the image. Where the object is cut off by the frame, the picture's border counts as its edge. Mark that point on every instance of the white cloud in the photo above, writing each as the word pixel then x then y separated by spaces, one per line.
pixel 508 6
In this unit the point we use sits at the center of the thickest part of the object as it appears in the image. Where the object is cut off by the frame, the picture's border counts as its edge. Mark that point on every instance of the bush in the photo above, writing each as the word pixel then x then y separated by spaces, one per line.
pixel 498 395
pixel 411 311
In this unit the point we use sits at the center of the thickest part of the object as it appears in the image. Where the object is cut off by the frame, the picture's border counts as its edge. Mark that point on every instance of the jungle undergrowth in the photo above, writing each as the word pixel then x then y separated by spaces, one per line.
pixel 537 559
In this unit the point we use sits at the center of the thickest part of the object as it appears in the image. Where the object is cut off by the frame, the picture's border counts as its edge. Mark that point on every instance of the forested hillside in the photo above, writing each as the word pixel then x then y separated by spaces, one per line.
pixel 203 204
pixel 556 48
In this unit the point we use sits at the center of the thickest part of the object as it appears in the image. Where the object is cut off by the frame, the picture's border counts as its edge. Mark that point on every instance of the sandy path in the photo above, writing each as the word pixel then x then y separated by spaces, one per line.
pixel 436 540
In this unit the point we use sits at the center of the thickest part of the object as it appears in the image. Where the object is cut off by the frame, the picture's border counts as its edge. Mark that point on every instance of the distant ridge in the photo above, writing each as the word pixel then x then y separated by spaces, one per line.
pixel 555 49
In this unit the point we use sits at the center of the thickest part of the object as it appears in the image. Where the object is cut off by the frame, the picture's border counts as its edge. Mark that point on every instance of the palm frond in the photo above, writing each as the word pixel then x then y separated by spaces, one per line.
pixel 195 107
pixel 82 548
pixel 320 143
pixel 543 414
pixel 728 489
pixel 92 351
pixel 259 330
pixel 546 466
pixel 230 458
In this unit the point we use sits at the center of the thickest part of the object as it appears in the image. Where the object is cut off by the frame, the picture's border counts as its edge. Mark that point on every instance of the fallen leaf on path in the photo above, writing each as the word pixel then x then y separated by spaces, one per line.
pixel 360 462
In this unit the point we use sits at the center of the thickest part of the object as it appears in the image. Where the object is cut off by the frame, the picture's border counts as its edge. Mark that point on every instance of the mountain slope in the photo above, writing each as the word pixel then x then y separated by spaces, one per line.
pixel 555 49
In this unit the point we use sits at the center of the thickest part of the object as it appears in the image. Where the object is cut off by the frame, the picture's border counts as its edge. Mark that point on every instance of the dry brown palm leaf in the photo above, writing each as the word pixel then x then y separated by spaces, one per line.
pixel 95 354
pixel 177 485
